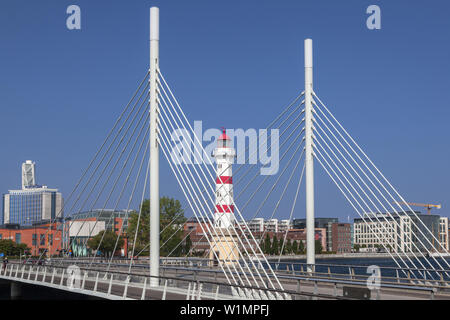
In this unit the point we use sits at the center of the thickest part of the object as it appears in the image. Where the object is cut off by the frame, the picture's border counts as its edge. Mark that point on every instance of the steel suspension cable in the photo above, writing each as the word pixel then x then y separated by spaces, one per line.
pixel 281 146
pixel 134 188
pixel 95 157
pixel 194 180
pixel 288 182
pixel 139 215
pixel 126 180
pixel 184 187
pixel 281 159
pixel 101 161
pixel 233 202
pixel 292 211
pixel 112 171
pixel 377 209
pixel 362 199
pixel 376 178
pixel 354 207
pixel 268 127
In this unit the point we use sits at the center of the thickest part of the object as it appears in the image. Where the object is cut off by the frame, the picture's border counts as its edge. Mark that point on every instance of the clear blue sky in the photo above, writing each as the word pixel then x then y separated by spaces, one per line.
pixel 61 90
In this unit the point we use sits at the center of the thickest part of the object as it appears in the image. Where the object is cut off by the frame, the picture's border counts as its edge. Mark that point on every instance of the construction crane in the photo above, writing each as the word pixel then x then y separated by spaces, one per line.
pixel 428 206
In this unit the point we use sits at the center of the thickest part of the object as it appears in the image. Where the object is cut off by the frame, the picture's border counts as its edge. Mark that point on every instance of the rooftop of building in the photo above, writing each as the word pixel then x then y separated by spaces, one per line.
pixel 317 218
pixel 395 215
pixel 43 224
pixel 198 220
pixel 32 189
pixel 99 213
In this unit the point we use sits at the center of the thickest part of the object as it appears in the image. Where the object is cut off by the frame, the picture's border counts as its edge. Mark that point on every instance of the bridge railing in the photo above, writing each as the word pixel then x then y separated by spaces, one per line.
pixel 124 285
pixel 304 277
pixel 388 275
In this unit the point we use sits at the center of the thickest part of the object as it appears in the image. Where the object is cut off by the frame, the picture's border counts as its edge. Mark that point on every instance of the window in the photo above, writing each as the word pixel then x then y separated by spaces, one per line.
pixel 18 238
pixel 50 239
pixel 34 239
pixel 42 240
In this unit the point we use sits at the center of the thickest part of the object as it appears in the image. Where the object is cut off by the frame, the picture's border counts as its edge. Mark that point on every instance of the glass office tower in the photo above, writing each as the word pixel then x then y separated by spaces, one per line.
pixel 31 205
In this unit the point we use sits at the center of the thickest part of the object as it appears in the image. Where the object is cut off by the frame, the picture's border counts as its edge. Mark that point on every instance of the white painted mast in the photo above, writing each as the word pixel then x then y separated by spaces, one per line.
pixel 154 149
pixel 309 161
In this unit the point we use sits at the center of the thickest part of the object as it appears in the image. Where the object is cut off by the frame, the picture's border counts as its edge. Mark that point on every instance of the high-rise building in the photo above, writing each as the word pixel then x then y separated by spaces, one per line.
pixel 32 204
pixel 25 207
pixel 28 174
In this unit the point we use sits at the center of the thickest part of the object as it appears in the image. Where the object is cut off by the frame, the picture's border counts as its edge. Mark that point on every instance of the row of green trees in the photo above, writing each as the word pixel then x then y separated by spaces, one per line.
pixel 274 246
pixel 105 242
pixel 11 248
pixel 171 221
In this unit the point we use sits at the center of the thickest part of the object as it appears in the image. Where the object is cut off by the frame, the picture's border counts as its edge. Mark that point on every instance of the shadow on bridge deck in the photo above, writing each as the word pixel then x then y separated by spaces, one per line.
pixel 13 290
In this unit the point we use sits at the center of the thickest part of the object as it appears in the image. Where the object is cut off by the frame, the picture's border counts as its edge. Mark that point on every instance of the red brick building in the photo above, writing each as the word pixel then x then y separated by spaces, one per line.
pixel 39 238
pixel 54 238
pixel 341 237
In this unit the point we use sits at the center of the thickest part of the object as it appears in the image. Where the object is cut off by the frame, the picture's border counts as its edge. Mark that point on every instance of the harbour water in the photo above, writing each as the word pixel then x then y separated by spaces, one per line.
pixel 359 266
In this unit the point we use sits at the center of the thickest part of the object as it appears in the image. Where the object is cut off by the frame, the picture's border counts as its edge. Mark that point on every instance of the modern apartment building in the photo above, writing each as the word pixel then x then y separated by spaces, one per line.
pixel 341 237
pixel 271 225
pixel 443 233
pixel 325 223
pixel 284 225
pixel 401 232
pixel 256 225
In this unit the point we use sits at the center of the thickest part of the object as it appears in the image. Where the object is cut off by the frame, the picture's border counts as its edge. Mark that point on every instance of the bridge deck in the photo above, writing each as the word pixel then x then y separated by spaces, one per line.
pixel 178 283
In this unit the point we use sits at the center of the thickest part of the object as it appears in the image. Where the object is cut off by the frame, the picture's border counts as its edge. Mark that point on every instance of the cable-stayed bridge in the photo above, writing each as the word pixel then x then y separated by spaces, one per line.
pixel 126 168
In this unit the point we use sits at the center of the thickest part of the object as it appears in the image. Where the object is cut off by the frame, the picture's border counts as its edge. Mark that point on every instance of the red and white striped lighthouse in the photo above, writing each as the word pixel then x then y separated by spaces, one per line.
pixel 224 155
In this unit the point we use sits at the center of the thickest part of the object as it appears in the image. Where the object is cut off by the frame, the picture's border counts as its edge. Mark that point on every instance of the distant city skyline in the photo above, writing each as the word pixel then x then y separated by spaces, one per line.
pixel 387 86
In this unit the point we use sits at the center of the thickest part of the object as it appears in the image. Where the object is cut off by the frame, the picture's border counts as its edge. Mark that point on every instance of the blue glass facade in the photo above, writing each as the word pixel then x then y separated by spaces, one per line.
pixel 25 207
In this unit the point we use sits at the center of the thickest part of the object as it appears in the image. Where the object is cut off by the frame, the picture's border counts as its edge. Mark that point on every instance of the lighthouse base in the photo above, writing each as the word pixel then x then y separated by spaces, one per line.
pixel 224 247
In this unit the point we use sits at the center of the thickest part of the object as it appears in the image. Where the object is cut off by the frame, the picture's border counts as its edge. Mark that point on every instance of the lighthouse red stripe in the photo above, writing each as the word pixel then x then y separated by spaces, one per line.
pixel 224 180
pixel 224 208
